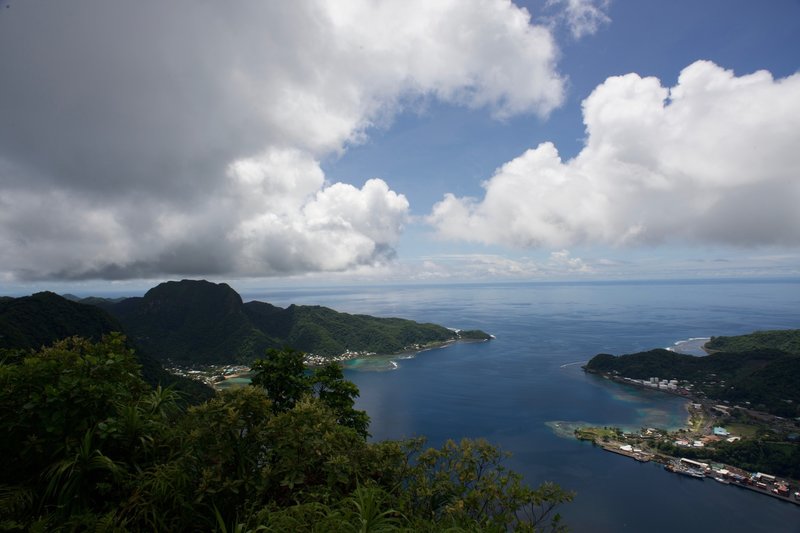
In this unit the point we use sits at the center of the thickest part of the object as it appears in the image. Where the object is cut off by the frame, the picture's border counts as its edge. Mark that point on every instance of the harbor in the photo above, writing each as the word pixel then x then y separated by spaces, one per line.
pixel 766 484
pixel 769 485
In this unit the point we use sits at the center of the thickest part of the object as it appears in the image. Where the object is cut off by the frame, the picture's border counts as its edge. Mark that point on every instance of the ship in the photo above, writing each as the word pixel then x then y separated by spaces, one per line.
pixel 691 472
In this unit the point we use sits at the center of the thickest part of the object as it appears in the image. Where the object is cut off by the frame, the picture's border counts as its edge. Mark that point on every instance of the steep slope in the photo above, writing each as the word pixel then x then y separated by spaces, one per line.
pixel 756 372
pixel 190 321
pixel 326 332
pixel 39 320
pixel 34 321
pixel 774 386
pixel 787 340
pixel 668 364
pixel 201 322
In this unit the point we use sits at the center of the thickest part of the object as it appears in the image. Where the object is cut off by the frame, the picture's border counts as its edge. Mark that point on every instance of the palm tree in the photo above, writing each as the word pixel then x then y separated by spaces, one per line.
pixel 368 516
pixel 70 481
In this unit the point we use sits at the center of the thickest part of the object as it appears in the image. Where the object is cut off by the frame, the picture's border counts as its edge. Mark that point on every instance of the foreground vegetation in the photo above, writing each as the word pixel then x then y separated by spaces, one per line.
pixel 30 322
pixel 89 445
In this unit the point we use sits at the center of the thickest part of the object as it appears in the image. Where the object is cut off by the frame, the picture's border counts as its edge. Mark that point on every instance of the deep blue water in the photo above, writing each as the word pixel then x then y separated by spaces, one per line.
pixel 509 389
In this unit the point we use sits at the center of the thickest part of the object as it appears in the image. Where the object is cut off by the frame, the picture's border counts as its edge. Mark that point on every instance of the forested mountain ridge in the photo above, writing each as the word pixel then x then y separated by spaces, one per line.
pixel 786 340
pixel 198 322
pixel 195 321
pixel 327 332
pixel 753 371
pixel 31 322
pixel 191 322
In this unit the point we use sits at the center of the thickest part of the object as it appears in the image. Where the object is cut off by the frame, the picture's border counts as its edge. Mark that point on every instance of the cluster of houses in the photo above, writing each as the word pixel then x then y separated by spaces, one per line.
pixel 311 359
pixel 759 481
pixel 210 375
pixel 655 383
pixel 718 432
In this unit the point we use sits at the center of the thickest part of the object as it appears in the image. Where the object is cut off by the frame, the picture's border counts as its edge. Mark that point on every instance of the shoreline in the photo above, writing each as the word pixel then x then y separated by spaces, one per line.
pixel 319 360
pixel 784 489
pixel 701 418
pixel 679 465
pixel 314 361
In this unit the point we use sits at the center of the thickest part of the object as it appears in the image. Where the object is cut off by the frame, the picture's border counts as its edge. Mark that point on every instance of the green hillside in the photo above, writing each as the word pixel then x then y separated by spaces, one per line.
pixel 201 322
pixel 323 331
pixel 671 365
pixel 191 321
pixel 34 321
pixel 198 322
pixel 787 340
pixel 31 322
pixel 758 372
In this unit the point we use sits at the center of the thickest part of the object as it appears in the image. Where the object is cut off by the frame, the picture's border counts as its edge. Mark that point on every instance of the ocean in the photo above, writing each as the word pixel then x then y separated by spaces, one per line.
pixel 521 388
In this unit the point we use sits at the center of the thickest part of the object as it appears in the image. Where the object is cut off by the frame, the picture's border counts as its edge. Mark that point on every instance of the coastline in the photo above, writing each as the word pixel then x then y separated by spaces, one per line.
pixel 703 416
pixel 319 360
pixel 314 361
pixel 690 346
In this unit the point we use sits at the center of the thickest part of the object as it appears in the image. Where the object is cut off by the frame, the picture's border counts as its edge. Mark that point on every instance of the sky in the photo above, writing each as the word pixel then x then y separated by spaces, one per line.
pixel 268 143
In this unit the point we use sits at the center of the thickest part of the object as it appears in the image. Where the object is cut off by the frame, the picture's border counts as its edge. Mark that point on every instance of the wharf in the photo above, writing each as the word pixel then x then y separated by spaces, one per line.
pixel 766 492
pixel 642 457
pixel 671 465
pixel 736 482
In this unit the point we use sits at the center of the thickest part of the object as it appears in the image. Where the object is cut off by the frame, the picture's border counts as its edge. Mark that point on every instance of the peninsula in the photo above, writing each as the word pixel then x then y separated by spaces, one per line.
pixel 196 323
pixel 744 411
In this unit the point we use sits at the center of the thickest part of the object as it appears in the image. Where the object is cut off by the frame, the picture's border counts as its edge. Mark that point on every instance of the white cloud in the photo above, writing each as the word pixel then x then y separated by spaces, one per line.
pixel 477 266
pixel 563 260
pixel 286 225
pixel 582 17
pixel 174 138
pixel 712 160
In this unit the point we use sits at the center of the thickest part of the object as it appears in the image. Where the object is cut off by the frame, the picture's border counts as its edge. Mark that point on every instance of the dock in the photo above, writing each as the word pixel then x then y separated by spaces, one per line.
pixel 639 455
pixel 760 483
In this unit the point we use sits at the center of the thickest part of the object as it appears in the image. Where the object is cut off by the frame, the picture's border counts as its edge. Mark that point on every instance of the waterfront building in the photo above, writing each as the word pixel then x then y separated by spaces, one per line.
pixel 696 464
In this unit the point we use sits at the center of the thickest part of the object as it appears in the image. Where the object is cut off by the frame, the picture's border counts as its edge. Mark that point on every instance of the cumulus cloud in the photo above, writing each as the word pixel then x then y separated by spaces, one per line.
pixel 288 222
pixel 150 138
pixel 563 260
pixel 712 160
pixel 477 266
pixel 582 17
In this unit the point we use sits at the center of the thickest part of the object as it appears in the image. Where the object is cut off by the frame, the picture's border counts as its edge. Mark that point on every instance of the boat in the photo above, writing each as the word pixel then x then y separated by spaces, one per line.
pixel 722 480
pixel 691 472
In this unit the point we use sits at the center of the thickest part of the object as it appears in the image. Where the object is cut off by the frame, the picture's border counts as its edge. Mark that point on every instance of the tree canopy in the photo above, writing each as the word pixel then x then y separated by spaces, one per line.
pixel 285 380
pixel 89 445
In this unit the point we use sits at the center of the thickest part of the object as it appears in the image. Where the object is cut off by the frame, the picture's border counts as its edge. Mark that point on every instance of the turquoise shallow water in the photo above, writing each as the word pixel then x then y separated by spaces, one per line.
pixel 239 381
pixel 509 389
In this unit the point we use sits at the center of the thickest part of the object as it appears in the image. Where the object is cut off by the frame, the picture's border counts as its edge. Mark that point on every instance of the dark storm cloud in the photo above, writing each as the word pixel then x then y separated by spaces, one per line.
pixel 146 138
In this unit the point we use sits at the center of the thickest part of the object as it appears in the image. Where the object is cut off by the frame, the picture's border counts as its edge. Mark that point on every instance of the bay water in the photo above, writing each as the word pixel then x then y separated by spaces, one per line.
pixel 525 389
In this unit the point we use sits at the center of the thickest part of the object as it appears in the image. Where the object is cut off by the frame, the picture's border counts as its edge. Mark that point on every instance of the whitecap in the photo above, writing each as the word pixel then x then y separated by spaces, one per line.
pixel 690 346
